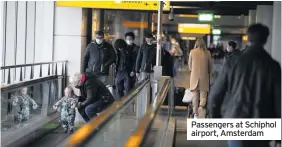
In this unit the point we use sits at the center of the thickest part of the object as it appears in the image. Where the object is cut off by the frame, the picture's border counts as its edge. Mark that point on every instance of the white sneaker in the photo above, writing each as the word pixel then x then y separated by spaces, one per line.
pixel 195 116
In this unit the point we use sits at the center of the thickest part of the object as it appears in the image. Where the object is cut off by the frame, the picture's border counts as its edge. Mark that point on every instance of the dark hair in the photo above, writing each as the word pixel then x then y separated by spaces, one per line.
pixel 233 44
pixel 120 43
pixel 258 33
pixel 100 33
pixel 131 34
pixel 148 35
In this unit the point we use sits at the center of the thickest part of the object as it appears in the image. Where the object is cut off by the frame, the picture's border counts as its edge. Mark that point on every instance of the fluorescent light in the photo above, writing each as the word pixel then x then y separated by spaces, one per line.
pixel 193 25
pixel 216 31
pixel 191 38
pixel 205 17
pixel 187 15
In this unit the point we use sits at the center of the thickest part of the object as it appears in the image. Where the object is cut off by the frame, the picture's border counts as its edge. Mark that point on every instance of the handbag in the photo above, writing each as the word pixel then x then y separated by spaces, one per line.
pixel 188 96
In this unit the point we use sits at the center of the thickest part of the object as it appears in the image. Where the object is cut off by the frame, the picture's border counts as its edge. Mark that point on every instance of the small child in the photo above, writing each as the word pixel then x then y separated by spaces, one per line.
pixel 24 101
pixel 66 105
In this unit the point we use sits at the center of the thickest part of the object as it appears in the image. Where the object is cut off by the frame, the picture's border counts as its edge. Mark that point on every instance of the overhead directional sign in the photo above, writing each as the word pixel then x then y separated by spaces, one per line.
pixel 125 5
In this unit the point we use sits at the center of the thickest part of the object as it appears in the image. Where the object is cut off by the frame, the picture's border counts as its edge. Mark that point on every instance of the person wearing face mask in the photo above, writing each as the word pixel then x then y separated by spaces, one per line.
pixel 133 50
pixel 122 67
pixel 98 57
pixel 146 60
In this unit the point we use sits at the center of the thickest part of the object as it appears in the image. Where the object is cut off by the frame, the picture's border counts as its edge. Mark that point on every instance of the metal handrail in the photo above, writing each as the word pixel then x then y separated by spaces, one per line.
pixel 137 138
pixel 32 64
pixel 52 66
pixel 29 83
pixel 80 137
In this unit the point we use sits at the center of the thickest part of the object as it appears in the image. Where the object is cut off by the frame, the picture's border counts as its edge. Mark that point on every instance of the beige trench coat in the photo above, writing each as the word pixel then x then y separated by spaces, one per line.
pixel 200 65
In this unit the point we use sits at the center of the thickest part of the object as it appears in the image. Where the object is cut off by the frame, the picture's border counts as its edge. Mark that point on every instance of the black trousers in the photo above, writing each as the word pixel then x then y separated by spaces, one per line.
pixel 122 83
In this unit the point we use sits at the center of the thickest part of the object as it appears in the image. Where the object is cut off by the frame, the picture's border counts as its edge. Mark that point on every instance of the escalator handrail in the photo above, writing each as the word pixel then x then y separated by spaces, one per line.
pixel 138 136
pixel 85 132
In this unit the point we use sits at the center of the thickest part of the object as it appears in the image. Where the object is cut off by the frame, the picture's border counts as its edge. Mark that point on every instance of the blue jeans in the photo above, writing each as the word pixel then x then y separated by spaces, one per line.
pixel 92 109
pixel 248 143
pixel 122 83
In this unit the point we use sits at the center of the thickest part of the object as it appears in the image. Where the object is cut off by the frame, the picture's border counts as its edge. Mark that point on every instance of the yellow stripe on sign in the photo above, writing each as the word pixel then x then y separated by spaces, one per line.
pixel 124 5
pixel 132 24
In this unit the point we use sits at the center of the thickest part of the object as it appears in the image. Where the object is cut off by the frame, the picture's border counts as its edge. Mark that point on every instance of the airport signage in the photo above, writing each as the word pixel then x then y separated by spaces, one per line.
pixel 206 17
pixel 123 5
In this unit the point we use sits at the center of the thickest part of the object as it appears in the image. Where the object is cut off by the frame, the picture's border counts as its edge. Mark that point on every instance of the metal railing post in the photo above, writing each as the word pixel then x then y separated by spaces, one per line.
pixel 171 97
pixel 45 92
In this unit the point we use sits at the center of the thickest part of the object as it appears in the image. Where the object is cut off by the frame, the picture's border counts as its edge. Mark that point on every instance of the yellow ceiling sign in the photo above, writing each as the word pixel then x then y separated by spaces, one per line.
pixel 125 5
pixel 194 28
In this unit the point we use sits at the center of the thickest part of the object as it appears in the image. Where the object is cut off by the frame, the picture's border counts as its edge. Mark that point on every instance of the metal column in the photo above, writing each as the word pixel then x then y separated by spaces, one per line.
pixel 158 67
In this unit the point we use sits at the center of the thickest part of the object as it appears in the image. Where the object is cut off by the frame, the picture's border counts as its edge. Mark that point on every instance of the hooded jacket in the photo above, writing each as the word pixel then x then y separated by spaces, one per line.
pixel 93 90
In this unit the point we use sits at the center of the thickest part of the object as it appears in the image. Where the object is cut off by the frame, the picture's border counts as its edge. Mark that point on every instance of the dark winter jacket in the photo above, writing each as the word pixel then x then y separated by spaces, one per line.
pixel 133 49
pixel 123 60
pixel 93 90
pixel 146 58
pixel 98 58
pixel 249 87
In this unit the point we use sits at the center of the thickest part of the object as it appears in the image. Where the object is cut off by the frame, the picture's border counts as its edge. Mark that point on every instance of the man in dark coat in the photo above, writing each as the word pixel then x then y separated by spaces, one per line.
pixel 123 67
pixel 98 57
pixel 133 49
pixel 250 87
pixel 95 96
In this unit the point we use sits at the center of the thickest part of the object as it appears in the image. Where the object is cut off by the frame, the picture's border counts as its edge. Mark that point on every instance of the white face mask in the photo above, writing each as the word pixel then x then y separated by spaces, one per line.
pixel 129 42
pixel 99 41
pixel 149 43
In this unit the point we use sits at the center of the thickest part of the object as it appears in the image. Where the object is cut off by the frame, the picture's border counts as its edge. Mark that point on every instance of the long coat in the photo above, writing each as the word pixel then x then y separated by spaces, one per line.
pixel 200 65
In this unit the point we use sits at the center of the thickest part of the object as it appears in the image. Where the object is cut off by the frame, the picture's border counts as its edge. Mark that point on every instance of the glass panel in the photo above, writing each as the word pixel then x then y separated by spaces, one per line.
pixel 117 23
pixel 22 107
pixel 54 94
pixel 19 108
pixel 120 127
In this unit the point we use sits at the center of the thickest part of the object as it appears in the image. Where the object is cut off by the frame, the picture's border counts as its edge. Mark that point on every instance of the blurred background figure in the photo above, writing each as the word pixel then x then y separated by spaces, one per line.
pixel 178 54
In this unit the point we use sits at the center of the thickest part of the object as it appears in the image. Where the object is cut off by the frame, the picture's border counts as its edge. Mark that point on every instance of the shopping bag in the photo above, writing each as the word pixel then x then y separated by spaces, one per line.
pixel 187 96
pixel 79 121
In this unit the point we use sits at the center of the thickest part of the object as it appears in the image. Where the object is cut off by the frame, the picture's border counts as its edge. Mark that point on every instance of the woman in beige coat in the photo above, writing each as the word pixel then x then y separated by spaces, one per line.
pixel 200 65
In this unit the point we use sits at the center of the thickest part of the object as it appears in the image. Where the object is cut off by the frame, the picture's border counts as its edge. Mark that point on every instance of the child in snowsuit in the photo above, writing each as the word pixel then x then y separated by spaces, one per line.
pixel 66 106
pixel 24 101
